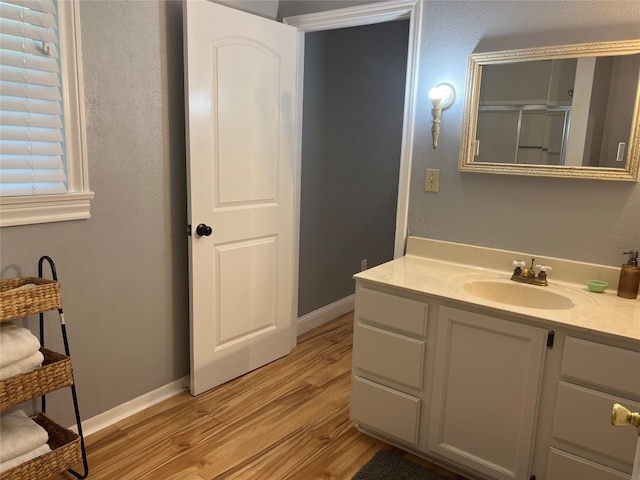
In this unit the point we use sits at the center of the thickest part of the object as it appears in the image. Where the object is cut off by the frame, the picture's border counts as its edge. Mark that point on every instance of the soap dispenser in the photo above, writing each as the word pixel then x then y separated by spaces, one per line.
pixel 629 276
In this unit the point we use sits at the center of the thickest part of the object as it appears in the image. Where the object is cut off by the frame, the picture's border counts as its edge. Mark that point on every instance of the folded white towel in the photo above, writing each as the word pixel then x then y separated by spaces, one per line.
pixel 16 343
pixel 19 434
pixel 25 457
pixel 22 366
pixel 23 287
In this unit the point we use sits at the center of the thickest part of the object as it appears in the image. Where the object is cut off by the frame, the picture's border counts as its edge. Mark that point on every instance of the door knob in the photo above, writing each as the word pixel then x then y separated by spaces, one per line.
pixel 204 230
pixel 622 416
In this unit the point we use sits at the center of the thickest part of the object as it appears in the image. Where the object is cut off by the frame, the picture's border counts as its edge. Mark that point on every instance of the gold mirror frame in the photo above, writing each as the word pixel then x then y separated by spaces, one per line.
pixel 474 73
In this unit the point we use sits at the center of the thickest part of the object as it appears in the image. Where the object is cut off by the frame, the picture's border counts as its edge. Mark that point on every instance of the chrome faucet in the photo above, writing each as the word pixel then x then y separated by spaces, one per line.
pixel 528 275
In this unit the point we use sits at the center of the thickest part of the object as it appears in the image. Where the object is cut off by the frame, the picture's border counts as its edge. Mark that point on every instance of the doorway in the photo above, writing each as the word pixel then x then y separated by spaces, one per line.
pixel 355 148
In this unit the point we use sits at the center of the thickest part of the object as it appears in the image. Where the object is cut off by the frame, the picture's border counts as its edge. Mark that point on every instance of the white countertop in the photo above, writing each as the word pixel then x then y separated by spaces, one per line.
pixel 418 271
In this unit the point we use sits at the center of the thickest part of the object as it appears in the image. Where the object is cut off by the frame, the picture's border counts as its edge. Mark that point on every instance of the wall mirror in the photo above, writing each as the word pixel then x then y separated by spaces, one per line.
pixel 570 111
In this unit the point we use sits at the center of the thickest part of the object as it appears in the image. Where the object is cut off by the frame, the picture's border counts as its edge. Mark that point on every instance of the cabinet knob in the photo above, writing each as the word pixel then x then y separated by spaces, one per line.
pixel 621 416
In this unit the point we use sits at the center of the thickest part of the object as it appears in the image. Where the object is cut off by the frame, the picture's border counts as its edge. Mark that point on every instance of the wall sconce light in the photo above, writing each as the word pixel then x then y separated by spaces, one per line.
pixel 442 97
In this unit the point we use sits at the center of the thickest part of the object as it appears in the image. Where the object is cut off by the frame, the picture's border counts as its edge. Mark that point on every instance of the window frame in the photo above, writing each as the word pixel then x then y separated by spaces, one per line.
pixel 76 203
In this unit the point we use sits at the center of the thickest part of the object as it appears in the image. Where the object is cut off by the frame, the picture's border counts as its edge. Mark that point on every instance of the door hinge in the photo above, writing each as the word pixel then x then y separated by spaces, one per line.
pixel 189 230
pixel 550 337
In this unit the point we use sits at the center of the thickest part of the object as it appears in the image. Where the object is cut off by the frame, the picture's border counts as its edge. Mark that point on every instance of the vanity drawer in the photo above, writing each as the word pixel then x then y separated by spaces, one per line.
pixel 602 365
pixel 400 314
pixel 583 418
pixel 389 355
pixel 563 466
pixel 384 409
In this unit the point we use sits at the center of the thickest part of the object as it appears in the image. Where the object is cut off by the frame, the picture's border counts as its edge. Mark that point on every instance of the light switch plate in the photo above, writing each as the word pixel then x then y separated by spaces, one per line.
pixel 433 180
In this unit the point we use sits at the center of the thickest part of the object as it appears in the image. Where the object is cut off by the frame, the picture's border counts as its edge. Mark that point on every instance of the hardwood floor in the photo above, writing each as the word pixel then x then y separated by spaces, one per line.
pixel 287 420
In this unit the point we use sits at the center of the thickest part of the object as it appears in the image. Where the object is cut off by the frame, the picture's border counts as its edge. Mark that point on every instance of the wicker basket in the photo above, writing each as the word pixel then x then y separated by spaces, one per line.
pixel 65 453
pixel 55 373
pixel 28 301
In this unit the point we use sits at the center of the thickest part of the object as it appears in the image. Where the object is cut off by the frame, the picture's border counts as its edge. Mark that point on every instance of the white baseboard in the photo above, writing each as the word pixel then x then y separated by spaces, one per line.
pixel 326 314
pixel 103 420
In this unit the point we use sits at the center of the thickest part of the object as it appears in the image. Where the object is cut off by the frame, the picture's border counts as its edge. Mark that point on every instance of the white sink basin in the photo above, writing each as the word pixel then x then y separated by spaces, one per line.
pixel 503 290
pixel 518 295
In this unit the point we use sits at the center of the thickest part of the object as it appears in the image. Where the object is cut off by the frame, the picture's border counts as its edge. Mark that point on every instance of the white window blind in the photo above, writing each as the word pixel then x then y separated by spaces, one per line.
pixel 31 109
pixel 43 154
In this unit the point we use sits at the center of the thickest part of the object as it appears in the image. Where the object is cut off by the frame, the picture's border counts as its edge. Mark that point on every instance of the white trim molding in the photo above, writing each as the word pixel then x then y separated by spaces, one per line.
pixel 369 14
pixel 74 205
pixel 326 314
pixel 44 208
pixel 125 410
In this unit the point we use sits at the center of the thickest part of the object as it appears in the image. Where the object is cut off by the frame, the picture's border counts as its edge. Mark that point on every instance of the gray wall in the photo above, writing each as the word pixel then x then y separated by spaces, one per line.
pixel 582 220
pixel 352 133
pixel 619 112
pixel 124 271
pixel 289 8
pixel 263 8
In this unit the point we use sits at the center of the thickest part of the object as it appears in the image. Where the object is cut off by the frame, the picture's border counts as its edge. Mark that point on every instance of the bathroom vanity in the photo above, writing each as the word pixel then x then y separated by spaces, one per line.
pixel 514 385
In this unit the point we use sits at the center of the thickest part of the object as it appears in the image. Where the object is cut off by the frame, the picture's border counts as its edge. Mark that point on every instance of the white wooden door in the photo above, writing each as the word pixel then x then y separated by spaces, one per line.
pixel 241 131
pixel 486 385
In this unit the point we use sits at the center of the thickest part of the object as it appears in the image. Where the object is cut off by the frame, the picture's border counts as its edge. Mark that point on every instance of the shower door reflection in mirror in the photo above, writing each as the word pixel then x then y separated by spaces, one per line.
pixel 525 111
pixel 558 111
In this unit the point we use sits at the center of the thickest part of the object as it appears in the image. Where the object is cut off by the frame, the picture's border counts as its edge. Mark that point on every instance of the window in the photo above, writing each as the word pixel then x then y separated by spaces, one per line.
pixel 43 164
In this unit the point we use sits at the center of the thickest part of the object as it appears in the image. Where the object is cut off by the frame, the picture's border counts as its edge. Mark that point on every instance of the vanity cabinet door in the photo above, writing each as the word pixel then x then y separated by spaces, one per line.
pixel 564 466
pixel 486 386
pixel 385 410
pixel 389 347
pixel 594 376
pixel 602 366
pixel 392 312
pixel 388 356
pixel 582 422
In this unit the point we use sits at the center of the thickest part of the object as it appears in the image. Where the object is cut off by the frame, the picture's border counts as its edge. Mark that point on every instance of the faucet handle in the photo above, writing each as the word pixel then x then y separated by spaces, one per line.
pixel 518 263
pixel 543 272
